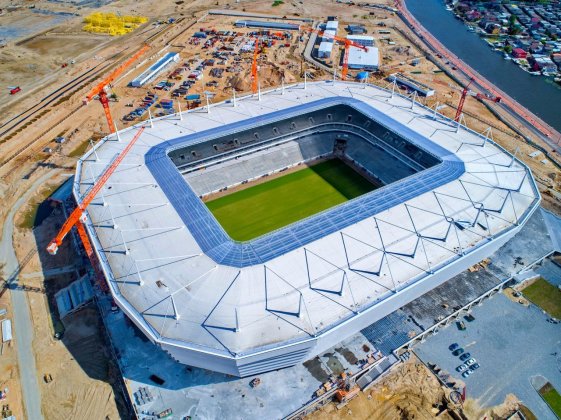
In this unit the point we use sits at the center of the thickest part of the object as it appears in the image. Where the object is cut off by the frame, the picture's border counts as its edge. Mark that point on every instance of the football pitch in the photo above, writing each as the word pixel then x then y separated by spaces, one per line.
pixel 262 208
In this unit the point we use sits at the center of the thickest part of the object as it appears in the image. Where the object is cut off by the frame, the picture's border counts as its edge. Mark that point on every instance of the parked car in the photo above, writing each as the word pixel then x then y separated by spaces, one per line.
pixel 461 368
pixel 475 366
pixel 470 362
pixel 466 373
pixel 465 356
pixel 453 346
pixel 458 351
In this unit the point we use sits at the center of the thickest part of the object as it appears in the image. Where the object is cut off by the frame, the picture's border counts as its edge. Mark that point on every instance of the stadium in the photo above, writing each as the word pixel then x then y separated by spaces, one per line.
pixel 253 234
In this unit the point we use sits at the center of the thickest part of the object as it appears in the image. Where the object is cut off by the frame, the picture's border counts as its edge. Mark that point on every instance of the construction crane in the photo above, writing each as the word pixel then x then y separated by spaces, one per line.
pixel 77 217
pixel 254 67
pixel 346 42
pixel 465 91
pixel 101 93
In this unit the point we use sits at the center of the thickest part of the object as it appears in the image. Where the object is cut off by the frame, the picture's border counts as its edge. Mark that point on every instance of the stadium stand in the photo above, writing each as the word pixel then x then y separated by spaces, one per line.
pixel 255 165
pixel 226 163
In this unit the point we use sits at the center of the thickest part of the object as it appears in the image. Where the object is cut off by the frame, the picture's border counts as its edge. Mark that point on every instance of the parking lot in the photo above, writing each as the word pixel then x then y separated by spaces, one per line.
pixel 512 343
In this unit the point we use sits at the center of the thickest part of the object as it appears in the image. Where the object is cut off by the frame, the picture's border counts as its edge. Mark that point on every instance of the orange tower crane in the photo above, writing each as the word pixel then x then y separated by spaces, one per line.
pixel 254 67
pixel 478 96
pixel 99 90
pixel 76 218
pixel 346 42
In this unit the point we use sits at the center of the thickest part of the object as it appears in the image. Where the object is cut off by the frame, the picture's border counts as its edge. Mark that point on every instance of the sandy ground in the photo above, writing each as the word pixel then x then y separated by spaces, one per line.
pixel 78 364
pixel 9 373
pixel 411 391
pixel 36 65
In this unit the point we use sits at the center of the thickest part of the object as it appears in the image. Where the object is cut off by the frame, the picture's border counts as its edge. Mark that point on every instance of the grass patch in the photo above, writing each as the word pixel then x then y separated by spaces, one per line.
pixel 527 413
pixel 552 397
pixel 546 296
pixel 260 209
pixel 85 145
pixel 80 150
pixel 28 217
pixel 277 3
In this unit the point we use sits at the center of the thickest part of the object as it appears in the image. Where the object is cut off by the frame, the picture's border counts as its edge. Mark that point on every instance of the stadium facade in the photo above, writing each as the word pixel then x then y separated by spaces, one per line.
pixel 450 198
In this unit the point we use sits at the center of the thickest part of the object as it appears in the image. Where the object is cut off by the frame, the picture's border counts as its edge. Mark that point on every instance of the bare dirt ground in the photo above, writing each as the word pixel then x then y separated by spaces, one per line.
pixel 9 372
pixel 79 363
pixel 411 391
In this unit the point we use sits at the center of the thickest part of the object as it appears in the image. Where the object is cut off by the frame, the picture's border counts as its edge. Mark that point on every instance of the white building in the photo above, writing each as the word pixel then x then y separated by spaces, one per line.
pixel 364 60
pixel 325 49
pixel 365 40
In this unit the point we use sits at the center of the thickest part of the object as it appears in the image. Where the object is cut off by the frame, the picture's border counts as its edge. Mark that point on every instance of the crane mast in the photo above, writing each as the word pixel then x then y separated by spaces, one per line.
pixel 347 44
pixel 99 89
pixel 77 216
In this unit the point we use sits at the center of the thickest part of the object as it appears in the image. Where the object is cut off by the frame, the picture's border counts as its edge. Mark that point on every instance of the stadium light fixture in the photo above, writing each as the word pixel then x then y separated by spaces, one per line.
pixel 179 108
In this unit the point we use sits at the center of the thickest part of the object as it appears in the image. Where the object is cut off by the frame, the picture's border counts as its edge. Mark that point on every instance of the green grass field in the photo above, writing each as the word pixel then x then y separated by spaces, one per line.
pixel 550 394
pixel 546 296
pixel 252 212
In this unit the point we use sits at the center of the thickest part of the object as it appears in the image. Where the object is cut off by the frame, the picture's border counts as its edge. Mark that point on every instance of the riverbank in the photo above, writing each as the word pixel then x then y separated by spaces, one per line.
pixel 468 57
pixel 525 34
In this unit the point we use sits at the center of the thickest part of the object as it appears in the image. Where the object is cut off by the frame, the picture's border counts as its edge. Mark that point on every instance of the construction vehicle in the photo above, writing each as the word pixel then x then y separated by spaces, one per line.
pixel 347 44
pixel 100 89
pixel 465 91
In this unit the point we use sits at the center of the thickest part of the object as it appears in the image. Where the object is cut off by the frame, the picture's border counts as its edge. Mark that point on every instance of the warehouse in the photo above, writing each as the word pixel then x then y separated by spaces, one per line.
pixel 155 69
pixel 267 25
pixel 324 50
pixel 365 40
pixel 328 35
pixel 403 80
pixel 364 60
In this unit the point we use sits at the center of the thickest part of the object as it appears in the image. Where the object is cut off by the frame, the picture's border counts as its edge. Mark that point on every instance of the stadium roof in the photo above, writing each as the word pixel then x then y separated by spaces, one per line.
pixel 185 284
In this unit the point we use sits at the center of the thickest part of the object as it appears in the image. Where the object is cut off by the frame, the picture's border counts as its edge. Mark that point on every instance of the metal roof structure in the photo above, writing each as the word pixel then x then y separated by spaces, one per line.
pixel 243 308
pixel 267 25
pixel 360 59
pixel 155 69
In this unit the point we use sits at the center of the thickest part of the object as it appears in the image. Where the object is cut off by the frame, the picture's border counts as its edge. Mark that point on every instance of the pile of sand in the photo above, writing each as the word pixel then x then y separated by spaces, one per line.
pixel 269 75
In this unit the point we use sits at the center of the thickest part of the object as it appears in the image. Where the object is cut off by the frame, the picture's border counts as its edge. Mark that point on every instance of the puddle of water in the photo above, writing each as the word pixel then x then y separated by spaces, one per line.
pixel 348 355
pixel 334 364
pixel 316 370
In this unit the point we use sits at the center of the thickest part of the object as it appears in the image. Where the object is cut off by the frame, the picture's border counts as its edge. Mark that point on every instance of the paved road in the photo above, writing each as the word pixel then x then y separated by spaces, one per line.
pixel 21 315
pixel 512 344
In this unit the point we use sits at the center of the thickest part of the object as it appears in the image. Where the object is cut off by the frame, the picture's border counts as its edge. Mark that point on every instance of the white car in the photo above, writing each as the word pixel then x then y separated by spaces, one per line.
pixel 466 373
pixel 462 368
pixel 470 361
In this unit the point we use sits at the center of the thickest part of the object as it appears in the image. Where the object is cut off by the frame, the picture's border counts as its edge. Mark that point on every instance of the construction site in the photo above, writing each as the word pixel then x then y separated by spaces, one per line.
pixel 98 73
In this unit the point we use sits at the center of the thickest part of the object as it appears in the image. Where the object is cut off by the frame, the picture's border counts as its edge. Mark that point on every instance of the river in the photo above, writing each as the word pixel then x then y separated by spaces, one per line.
pixel 539 94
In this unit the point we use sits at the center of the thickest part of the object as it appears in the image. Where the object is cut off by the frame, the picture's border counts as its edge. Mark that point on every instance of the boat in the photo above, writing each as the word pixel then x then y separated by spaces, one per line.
pixel 507 57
